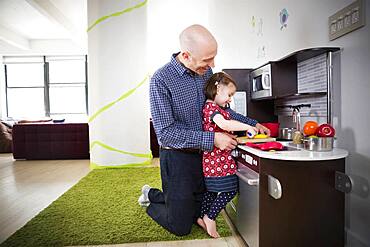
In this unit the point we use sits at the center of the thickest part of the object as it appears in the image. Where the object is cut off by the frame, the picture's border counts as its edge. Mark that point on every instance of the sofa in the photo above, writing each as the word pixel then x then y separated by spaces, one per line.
pixel 51 141
pixel 5 138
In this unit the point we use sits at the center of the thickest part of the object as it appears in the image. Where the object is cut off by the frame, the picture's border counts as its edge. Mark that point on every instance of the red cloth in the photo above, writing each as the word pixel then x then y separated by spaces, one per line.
pixel 217 163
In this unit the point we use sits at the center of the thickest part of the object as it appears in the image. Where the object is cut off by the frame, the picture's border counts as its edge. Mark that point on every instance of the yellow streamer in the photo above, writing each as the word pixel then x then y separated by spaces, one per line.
pixel 97 166
pixel 116 14
pixel 125 95
pixel 94 143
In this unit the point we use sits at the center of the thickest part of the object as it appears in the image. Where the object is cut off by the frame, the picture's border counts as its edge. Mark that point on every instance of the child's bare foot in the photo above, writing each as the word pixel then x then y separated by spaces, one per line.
pixel 211 227
pixel 201 224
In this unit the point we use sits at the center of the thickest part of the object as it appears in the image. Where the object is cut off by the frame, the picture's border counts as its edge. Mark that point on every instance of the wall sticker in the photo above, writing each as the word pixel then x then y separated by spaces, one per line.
pixel 284 18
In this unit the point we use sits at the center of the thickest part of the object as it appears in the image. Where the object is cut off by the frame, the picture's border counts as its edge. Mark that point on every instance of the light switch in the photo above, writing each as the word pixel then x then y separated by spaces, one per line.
pixel 355 16
pixel 340 24
pixel 333 27
pixel 347 20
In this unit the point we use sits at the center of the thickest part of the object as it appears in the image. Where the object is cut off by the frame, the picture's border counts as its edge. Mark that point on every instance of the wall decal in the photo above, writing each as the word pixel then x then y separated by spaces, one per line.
pixel 122 97
pixel 260 27
pixel 253 24
pixel 284 18
pixel 116 14
pixel 261 52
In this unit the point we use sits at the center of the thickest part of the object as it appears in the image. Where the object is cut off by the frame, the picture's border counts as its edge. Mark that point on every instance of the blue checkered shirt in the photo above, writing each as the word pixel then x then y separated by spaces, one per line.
pixel 176 102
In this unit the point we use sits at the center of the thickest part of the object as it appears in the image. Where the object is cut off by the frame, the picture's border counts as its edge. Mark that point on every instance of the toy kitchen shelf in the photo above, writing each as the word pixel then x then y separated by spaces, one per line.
pixel 286 83
pixel 305 54
pixel 301 95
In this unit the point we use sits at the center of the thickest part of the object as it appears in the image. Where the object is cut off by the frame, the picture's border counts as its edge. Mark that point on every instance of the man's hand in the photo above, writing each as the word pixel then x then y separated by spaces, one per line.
pixel 225 141
pixel 262 129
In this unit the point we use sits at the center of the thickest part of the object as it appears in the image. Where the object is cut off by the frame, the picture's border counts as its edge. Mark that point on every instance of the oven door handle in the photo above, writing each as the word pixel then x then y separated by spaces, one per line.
pixel 248 177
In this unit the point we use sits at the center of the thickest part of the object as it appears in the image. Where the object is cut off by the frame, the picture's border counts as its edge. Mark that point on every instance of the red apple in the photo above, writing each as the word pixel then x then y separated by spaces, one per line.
pixel 325 130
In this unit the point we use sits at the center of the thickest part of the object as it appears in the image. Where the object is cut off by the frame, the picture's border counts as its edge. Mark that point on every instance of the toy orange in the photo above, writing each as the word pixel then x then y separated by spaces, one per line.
pixel 310 128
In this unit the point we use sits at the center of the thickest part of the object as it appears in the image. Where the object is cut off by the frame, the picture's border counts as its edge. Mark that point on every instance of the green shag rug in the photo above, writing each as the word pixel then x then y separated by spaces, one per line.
pixel 101 209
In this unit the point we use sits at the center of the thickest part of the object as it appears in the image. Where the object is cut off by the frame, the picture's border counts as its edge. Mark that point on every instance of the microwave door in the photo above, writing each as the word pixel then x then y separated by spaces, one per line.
pixel 266 81
pixel 261 83
pixel 257 83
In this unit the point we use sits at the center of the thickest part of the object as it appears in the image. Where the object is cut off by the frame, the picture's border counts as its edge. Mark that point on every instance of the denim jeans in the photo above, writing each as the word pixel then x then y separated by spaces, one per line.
pixel 178 206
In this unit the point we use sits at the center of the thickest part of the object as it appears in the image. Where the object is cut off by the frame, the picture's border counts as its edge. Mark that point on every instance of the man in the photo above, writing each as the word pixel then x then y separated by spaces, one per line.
pixel 176 100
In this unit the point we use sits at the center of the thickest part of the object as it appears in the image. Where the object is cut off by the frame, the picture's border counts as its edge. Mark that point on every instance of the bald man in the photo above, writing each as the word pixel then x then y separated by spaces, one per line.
pixel 176 101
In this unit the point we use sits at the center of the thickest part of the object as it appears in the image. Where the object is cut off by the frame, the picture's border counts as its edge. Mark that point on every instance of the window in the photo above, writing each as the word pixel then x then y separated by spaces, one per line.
pixel 54 86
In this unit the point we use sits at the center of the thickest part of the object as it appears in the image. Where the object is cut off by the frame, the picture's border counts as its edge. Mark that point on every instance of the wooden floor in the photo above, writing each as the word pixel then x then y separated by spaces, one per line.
pixel 27 187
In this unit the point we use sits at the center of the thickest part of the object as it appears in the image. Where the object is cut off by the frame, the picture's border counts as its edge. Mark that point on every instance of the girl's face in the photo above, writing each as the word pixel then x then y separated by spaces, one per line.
pixel 224 94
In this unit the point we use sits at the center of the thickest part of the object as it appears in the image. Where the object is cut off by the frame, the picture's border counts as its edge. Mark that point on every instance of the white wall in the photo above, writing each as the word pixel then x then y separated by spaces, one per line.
pixel 307 27
pixel 166 19
pixel 117 64
pixel 240 46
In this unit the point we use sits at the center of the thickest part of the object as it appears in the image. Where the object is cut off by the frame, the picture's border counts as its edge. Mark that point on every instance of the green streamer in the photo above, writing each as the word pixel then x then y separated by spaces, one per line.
pixel 94 143
pixel 129 165
pixel 122 97
pixel 147 162
pixel 116 14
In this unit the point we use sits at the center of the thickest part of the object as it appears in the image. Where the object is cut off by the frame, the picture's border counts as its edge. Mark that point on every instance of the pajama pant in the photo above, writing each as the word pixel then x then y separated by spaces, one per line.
pixel 214 202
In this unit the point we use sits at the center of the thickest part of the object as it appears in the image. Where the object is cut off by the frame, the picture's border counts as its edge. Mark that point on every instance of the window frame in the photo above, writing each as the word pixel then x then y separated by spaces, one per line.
pixel 46 88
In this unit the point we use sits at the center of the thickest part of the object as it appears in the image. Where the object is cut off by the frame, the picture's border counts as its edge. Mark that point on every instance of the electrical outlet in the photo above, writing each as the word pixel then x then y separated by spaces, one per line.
pixel 347 19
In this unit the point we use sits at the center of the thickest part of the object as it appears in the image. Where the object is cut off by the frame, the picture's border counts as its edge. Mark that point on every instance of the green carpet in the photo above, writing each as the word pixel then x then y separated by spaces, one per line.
pixel 101 209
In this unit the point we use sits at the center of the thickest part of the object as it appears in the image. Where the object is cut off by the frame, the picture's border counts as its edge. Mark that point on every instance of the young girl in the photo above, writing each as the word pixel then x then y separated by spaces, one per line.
pixel 219 167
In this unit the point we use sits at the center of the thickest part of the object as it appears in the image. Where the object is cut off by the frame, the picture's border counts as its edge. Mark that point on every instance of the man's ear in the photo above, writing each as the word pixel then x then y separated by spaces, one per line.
pixel 185 55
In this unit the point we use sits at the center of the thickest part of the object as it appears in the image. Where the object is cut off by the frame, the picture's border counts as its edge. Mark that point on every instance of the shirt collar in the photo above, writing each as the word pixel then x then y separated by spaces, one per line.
pixel 179 67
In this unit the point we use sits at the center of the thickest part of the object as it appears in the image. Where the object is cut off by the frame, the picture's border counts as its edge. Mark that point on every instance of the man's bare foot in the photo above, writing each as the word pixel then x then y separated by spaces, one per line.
pixel 211 227
pixel 201 224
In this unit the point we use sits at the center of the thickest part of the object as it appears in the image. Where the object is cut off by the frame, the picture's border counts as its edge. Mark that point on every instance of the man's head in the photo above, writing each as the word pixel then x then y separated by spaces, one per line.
pixel 198 49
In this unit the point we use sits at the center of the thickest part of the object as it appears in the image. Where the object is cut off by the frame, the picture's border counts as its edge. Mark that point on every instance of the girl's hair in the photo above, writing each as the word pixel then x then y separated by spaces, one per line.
pixel 220 78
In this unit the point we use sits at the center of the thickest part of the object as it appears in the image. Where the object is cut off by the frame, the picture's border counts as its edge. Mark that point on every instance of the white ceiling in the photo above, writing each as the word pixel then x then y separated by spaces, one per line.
pixel 43 27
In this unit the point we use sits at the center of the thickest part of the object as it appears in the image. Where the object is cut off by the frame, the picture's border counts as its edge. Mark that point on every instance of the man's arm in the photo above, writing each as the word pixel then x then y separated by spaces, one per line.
pixel 168 132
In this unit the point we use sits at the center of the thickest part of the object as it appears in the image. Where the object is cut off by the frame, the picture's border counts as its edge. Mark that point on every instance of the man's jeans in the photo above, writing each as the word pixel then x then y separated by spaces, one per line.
pixel 178 206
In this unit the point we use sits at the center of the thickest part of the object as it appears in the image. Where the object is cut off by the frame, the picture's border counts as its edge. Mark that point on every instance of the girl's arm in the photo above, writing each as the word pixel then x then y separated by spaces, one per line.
pixel 231 125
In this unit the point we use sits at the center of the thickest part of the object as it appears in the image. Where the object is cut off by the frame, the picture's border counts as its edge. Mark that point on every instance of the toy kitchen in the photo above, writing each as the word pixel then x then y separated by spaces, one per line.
pixel 292 185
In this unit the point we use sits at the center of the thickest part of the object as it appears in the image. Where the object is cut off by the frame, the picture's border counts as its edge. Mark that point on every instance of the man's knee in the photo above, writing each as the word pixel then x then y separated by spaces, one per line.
pixel 181 229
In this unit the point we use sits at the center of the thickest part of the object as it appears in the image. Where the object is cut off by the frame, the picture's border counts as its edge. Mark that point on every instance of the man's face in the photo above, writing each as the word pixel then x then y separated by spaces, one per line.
pixel 200 63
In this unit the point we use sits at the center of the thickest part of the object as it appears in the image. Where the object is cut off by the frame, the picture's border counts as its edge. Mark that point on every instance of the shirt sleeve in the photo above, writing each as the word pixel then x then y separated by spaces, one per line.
pixel 211 111
pixel 214 114
pixel 239 117
pixel 168 131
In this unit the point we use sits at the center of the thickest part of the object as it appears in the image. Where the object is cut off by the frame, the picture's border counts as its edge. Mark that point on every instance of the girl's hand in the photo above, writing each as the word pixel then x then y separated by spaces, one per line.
pixel 251 132
pixel 262 129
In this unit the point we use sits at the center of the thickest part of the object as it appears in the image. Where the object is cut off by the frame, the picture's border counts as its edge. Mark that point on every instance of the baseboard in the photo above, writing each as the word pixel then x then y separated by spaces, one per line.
pixel 354 240
pixel 234 231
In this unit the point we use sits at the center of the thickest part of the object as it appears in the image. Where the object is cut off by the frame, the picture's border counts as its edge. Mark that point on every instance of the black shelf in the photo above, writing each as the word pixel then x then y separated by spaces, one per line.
pixel 293 96
pixel 301 95
pixel 302 55
pixel 305 54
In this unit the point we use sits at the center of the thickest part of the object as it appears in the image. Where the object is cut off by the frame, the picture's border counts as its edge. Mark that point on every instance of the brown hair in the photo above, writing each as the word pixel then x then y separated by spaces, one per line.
pixel 220 78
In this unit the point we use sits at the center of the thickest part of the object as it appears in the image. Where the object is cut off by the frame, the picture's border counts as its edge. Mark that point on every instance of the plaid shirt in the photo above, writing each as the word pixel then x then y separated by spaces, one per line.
pixel 176 102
